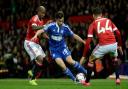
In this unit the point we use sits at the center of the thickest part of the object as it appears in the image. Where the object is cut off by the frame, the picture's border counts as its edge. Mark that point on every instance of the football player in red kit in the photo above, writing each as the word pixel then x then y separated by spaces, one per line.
pixel 33 47
pixel 105 31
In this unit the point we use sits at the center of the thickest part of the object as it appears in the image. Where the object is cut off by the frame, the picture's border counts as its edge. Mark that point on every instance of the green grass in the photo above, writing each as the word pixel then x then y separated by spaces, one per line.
pixel 61 84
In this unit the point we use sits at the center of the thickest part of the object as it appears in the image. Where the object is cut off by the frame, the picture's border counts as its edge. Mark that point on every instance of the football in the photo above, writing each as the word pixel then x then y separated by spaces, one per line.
pixel 80 77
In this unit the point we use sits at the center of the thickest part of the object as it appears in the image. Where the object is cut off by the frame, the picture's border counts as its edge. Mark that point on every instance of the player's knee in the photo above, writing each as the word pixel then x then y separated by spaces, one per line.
pixel 71 62
pixel 90 64
pixel 39 59
pixel 92 58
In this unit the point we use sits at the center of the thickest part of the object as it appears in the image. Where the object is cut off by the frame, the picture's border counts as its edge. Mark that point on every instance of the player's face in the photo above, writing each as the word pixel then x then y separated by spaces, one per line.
pixel 41 14
pixel 60 21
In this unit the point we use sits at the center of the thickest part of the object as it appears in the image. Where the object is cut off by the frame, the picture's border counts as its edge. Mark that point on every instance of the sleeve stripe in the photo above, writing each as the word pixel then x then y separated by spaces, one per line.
pixel 90 35
pixel 115 29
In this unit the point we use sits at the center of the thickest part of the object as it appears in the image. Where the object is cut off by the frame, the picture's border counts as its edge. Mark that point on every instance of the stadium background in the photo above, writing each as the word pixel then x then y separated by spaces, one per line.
pixel 14 15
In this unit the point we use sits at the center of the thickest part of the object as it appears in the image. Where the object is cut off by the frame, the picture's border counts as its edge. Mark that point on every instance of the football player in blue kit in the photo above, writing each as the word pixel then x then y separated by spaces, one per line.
pixel 59 51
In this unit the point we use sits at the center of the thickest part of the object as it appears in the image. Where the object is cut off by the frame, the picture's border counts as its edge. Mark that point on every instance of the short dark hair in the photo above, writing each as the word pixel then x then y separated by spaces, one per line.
pixel 59 15
pixel 97 10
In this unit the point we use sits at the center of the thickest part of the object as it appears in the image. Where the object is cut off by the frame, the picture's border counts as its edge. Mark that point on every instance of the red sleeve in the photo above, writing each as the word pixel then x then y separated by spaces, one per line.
pixel 90 30
pixel 87 46
pixel 89 39
pixel 118 35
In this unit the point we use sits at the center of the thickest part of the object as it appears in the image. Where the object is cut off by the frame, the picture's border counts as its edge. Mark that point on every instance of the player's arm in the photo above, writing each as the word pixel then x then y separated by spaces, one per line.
pixel 70 33
pixel 78 38
pixel 45 35
pixel 118 36
pixel 38 33
pixel 86 48
pixel 35 27
pixel 42 31
pixel 87 44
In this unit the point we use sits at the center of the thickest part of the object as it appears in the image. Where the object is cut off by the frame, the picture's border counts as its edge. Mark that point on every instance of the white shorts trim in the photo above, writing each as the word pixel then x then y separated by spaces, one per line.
pixel 33 49
pixel 100 51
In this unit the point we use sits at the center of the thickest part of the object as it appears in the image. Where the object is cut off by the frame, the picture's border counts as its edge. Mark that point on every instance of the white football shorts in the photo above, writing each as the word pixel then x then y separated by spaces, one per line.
pixel 33 49
pixel 101 50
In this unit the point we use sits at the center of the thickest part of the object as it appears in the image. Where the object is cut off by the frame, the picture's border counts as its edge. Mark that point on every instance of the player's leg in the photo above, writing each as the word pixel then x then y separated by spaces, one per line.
pixel 75 64
pixel 116 62
pixel 57 56
pixel 97 54
pixel 66 70
pixel 36 54
pixel 37 67
pixel 30 74
pixel 66 54
pixel 90 69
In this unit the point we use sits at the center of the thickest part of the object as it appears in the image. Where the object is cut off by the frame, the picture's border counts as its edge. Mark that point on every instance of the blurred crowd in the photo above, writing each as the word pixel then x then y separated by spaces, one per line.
pixel 12 37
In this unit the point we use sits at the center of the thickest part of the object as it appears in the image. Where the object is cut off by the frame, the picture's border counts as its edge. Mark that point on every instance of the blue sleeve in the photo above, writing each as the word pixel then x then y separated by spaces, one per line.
pixel 47 27
pixel 68 31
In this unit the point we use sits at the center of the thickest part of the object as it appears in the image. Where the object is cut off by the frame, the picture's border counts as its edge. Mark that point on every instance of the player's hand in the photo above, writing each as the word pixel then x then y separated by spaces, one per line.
pixel 120 50
pixel 34 38
pixel 45 36
pixel 90 64
pixel 84 42
pixel 82 60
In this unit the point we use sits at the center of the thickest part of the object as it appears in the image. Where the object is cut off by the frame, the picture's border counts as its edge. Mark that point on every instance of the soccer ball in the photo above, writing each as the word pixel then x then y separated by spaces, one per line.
pixel 80 77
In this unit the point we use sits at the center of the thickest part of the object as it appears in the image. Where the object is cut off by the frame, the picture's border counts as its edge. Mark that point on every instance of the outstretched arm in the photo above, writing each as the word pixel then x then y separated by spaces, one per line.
pixel 35 27
pixel 86 48
pixel 38 33
pixel 118 35
pixel 78 38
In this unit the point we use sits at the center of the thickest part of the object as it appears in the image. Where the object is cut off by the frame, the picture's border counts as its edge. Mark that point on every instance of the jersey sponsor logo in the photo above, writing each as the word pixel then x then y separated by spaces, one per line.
pixel 56 38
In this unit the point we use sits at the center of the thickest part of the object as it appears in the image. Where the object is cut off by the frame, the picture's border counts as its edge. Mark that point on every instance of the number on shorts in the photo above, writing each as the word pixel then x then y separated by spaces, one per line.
pixel 65 52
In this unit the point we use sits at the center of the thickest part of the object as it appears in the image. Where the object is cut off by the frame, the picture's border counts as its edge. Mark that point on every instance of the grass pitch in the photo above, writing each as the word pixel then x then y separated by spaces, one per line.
pixel 61 84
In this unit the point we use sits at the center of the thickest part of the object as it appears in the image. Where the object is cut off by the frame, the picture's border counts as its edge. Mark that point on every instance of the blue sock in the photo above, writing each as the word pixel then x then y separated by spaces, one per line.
pixel 69 73
pixel 79 68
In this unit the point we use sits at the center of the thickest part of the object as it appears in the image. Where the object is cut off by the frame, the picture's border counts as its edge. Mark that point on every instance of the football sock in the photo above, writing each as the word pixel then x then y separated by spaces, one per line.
pixel 117 70
pixel 69 73
pixel 80 68
pixel 88 77
pixel 36 68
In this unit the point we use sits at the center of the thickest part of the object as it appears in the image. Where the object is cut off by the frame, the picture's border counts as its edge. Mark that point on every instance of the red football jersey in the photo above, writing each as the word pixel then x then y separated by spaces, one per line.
pixel 104 29
pixel 31 32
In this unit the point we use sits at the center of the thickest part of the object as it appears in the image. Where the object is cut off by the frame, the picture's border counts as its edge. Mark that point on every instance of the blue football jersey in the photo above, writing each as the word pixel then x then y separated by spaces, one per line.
pixel 57 35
